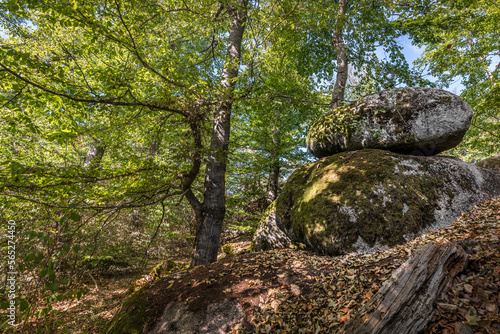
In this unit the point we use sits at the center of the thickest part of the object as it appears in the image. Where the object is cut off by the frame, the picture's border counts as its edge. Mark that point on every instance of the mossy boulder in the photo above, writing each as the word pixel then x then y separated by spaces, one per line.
pixel 416 121
pixel 365 200
pixel 490 163
pixel 138 317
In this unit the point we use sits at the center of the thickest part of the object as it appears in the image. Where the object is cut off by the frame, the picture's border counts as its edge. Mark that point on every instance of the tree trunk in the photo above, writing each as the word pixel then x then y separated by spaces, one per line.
pixel 340 51
pixel 213 208
pixel 94 155
pixel 405 304
pixel 274 175
pixel 274 171
pixel 154 145
pixel 94 158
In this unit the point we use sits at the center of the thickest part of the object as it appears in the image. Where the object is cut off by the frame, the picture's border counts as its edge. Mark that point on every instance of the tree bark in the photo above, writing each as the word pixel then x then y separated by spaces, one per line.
pixel 94 155
pixel 405 304
pixel 213 208
pixel 94 158
pixel 154 145
pixel 274 170
pixel 274 175
pixel 341 53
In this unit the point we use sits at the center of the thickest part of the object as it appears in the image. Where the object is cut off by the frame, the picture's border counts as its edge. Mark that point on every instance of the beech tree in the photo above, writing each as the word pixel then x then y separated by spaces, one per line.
pixel 118 66
pixel 93 90
pixel 210 213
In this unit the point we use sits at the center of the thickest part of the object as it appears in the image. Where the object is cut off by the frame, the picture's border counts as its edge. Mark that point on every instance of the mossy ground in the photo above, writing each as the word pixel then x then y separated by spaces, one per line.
pixel 134 315
pixel 369 194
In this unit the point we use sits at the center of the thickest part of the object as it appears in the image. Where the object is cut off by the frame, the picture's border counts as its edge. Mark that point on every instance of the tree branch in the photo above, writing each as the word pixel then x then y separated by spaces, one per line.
pixel 111 101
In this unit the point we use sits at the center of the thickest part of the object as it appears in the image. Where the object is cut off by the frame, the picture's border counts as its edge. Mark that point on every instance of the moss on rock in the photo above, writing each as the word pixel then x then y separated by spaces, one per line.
pixel 490 163
pixel 417 121
pixel 270 233
pixel 330 133
pixel 133 316
pixel 363 200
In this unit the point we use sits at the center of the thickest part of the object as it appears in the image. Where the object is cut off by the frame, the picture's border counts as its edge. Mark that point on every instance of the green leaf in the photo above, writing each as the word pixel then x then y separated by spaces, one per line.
pixel 30 257
pixel 23 305
pixel 52 275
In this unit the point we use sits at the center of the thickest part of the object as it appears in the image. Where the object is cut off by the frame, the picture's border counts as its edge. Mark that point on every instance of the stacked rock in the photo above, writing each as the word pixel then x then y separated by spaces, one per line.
pixel 379 182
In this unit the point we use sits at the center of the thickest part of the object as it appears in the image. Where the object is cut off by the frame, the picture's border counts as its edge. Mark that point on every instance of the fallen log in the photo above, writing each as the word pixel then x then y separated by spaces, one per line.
pixel 405 304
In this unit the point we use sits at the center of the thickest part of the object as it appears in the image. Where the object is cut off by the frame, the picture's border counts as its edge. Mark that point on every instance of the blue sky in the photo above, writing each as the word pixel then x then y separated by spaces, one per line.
pixel 412 52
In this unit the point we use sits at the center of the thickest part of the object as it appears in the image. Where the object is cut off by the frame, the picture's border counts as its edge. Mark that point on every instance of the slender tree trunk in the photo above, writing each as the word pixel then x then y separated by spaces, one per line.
pixel 94 155
pixel 94 158
pixel 138 214
pixel 153 148
pixel 213 208
pixel 340 50
pixel 274 175
pixel 274 171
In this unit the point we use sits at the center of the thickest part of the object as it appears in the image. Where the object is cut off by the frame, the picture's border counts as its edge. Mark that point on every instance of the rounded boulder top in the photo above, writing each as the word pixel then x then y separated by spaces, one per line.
pixel 412 120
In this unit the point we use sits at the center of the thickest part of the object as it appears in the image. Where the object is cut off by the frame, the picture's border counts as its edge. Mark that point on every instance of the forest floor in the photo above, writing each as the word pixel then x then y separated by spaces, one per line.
pixel 294 291
pixel 92 312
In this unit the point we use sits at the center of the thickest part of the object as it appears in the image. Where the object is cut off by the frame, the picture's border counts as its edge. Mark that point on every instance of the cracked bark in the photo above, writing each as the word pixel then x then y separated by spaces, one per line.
pixel 405 304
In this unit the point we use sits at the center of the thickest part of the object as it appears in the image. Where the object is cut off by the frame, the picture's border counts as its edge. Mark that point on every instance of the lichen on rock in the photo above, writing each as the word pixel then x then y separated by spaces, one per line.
pixel 413 120
pixel 368 199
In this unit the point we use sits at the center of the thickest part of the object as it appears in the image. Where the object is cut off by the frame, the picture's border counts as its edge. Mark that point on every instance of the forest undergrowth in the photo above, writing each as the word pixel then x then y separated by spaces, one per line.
pixel 297 291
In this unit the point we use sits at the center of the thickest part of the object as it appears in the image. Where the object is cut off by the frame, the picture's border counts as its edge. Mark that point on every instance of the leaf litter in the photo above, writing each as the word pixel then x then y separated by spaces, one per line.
pixel 297 291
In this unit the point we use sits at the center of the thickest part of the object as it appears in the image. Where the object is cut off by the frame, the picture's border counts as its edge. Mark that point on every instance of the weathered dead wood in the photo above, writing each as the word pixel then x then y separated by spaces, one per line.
pixel 405 303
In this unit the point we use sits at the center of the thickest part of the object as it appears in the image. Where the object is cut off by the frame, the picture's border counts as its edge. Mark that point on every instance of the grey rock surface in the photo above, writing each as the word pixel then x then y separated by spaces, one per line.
pixel 490 163
pixel 218 318
pixel 366 200
pixel 271 234
pixel 416 121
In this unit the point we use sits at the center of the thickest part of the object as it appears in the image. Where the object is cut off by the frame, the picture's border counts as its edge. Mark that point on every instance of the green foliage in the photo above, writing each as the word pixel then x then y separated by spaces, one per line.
pixel 461 43
pixel 367 26
pixel 228 250
pixel 139 80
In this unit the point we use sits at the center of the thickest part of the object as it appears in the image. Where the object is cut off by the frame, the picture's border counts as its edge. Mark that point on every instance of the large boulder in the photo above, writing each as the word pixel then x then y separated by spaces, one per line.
pixel 490 163
pixel 365 200
pixel 417 121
